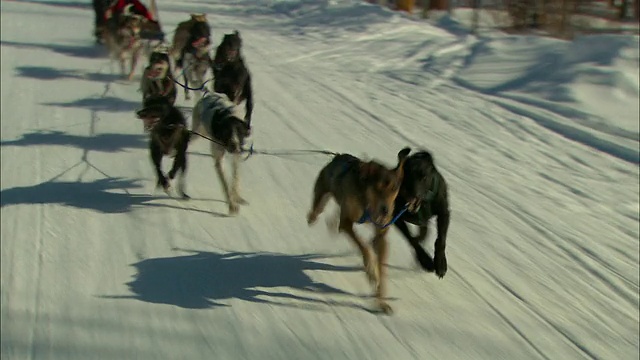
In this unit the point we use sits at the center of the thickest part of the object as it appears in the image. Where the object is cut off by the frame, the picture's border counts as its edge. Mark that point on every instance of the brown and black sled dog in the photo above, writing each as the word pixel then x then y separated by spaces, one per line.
pixel 366 193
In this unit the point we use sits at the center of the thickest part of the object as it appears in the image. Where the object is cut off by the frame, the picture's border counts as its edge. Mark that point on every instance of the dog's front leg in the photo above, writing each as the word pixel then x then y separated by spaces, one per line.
pixel 180 164
pixel 122 64
pixel 218 154
pixel 156 157
pixel 370 269
pixel 248 90
pixel 381 248
pixel 439 257
pixel 186 84
pixel 425 260
pixel 134 63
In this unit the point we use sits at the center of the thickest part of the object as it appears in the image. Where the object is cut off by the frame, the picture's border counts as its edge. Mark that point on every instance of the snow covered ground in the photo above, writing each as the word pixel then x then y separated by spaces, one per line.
pixel 538 139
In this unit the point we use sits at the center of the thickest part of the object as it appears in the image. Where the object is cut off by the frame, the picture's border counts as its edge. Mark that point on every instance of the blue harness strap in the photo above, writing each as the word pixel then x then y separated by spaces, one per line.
pixel 366 217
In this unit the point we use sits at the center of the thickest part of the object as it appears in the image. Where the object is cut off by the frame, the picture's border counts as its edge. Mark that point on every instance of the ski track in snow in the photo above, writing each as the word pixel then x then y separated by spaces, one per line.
pixel 542 249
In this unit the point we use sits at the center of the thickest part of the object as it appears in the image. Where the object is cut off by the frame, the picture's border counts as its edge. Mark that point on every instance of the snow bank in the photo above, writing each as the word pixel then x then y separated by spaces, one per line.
pixel 593 81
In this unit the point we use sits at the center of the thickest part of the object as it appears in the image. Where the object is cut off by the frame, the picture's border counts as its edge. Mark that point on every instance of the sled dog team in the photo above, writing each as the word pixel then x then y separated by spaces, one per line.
pixel 366 191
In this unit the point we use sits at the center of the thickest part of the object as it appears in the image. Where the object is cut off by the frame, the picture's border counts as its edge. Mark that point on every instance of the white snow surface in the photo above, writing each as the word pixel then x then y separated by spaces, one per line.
pixel 538 140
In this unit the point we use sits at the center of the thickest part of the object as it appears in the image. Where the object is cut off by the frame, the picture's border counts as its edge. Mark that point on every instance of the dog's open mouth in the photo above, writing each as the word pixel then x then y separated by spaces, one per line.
pixel 157 71
pixel 414 205
pixel 149 117
pixel 201 42
pixel 231 55
pixel 149 123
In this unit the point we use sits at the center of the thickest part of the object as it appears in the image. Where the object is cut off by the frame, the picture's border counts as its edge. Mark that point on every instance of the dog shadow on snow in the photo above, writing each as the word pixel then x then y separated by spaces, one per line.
pixel 86 51
pixel 49 73
pixel 100 103
pixel 107 142
pixel 203 280
pixel 107 195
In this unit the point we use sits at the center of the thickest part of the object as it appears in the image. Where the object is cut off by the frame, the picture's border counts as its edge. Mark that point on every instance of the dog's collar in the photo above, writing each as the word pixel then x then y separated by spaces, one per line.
pixel 366 217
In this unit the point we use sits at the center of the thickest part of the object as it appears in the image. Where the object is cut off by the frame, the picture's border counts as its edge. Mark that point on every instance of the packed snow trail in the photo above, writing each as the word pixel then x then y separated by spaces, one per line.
pixel 543 245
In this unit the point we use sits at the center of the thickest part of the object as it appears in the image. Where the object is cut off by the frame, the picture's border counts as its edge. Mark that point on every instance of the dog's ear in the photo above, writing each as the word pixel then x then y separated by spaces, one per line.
pixel 402 154
pixel 402 157
pixel 236 33
pixel 127 10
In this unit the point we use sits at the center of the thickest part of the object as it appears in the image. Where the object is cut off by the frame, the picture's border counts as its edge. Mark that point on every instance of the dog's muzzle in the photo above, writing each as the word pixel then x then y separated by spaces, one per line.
pixel 201 42
pixel 158 71
pixel 149 118
pixel 148 123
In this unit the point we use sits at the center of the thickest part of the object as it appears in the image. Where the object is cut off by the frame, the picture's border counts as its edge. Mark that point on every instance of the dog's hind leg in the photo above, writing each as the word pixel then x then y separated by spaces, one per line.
pixel 439 258
pixel 381 248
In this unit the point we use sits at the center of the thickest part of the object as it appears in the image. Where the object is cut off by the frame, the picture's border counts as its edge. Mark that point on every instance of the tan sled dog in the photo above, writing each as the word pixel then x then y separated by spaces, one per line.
pixel 365 193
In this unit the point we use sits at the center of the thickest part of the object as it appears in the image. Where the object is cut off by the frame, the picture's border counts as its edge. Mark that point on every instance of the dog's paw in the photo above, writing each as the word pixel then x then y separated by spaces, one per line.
pixel 234 209
pixel 424 259
pixel 164 184
pixel 440 262
pixel 385 307
pixel 311 218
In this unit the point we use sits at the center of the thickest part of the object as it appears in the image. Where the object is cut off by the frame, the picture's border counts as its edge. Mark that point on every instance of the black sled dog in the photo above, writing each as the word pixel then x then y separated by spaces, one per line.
pixel 230 73
pixel 168 136
pixel 424 191
pixel 157 79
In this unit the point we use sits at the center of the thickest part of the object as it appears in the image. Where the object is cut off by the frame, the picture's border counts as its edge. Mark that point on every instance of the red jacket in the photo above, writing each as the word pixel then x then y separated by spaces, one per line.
pixel 138 7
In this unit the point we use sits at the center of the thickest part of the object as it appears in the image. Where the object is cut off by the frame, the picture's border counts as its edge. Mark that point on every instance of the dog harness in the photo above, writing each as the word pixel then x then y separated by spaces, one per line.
pixel 216 106
pixel 366 216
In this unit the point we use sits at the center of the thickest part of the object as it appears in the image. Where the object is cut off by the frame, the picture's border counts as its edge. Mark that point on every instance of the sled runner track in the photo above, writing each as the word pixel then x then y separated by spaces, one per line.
pixel 579 347
pixel 505 318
